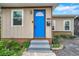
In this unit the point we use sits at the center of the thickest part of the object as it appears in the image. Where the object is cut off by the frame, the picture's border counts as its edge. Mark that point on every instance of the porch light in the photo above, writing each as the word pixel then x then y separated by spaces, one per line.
pixel 30 11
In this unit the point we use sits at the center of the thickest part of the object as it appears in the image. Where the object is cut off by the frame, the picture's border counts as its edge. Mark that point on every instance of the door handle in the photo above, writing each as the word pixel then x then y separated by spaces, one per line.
pixel 32 21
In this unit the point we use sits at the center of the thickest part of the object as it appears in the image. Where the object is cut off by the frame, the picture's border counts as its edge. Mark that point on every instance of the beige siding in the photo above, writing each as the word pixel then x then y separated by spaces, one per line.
pixel 26 31
pixel 48 29
pixel 60 23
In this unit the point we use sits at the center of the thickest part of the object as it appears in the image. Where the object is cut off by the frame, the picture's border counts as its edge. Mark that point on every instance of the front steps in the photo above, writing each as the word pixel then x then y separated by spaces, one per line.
pixel 39 45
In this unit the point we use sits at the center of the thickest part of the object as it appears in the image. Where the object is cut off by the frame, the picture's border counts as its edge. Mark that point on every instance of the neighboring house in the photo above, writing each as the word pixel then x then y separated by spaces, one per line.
pixel 26 21
pixel 63 24
pixel 76 26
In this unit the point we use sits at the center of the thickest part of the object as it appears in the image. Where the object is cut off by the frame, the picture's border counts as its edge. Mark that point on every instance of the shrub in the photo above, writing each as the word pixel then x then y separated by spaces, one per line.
pixel 10 48
pixel 13 45
pixel 63 36
pixel 2 44
pixel 6 52
pixel 56 40
pixel 57 36
pixel 26 44
pixel 67 36
pixel 71 37
pixel 56 45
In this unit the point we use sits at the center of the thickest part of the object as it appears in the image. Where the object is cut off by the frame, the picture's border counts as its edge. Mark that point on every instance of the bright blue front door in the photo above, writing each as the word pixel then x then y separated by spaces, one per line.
pixel 39 23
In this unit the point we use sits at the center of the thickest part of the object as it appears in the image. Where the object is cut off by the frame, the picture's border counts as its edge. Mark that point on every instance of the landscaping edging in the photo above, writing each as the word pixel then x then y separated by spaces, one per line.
pixel 61 47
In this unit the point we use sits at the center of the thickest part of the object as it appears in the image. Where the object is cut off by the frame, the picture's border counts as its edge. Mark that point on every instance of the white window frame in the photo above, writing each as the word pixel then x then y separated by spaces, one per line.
pixel 12 17
pixel 69 25
pixel 54 24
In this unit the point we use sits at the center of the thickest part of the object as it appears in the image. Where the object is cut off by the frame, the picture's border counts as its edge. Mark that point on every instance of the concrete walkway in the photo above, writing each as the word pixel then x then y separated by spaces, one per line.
pixel 39 48
pixel 71 48
pixel 40 53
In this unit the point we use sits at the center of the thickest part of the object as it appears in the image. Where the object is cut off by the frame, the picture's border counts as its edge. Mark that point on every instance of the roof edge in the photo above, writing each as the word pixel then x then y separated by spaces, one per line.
pixel 64 16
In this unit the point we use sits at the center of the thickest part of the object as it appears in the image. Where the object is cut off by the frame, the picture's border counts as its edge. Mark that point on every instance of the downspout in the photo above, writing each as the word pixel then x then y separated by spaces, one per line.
pixel 0 22
pixel 52 8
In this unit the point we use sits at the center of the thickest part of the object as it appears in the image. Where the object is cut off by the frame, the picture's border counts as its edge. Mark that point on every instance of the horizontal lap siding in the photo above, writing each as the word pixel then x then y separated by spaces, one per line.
pixel 7 31
pixel 60 26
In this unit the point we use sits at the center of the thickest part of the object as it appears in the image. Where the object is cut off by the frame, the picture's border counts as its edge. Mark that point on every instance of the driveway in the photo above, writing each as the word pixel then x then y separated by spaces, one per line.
pixel 71 48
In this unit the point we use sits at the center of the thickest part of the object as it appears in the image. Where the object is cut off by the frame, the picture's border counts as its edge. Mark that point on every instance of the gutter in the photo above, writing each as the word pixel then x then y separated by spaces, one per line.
pixel 0 11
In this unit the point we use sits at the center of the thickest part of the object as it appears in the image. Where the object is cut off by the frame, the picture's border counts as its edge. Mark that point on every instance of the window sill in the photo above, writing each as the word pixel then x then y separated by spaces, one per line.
pixel 17 26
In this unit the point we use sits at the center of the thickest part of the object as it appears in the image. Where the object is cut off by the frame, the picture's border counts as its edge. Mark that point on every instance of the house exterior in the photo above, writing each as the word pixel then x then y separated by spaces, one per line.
pixel 63 24
pixel 76 26
pixel 26 21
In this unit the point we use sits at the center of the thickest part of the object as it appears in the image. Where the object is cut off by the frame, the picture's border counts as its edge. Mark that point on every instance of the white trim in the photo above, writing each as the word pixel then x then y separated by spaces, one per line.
pixel 54 24
pixel 73 27
pixel 69 25
pixel 12 17
pixel 63 30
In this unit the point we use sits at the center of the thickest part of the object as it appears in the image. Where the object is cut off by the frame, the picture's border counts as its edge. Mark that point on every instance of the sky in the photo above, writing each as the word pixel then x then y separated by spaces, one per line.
pixel 67 9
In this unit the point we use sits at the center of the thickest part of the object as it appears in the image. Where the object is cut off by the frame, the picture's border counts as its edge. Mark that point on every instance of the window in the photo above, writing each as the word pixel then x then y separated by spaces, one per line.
pixel 39 14
pixel 67 24
pixel 53 24
pixel 17 17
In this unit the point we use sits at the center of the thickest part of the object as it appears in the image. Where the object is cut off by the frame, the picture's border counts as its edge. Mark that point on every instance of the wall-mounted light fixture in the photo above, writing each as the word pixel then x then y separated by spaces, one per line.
pixel 30 11
pixel 48 22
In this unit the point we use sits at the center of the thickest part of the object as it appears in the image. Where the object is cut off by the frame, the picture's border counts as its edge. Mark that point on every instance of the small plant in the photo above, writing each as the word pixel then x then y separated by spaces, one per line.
pixel 56 41
pixel 26 44
pixel 71 37
pixel 56 45
pixel 63 36
pixel 67 36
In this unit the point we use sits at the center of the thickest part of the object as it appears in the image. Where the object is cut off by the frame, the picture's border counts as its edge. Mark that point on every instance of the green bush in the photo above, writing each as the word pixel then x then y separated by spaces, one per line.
pixel 26 44
pixel 56 45
pixel 56 40
pixel 57 36
pixel 13 45
pixel 67 36
pixel 63 36
pixel 2 44
pixel 10 48
pixel 6 52
pixel 71 37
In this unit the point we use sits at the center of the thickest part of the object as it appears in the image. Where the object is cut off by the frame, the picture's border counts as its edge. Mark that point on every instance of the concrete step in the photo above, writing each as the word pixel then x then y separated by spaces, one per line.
pixel 39 45
pixel 40 41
